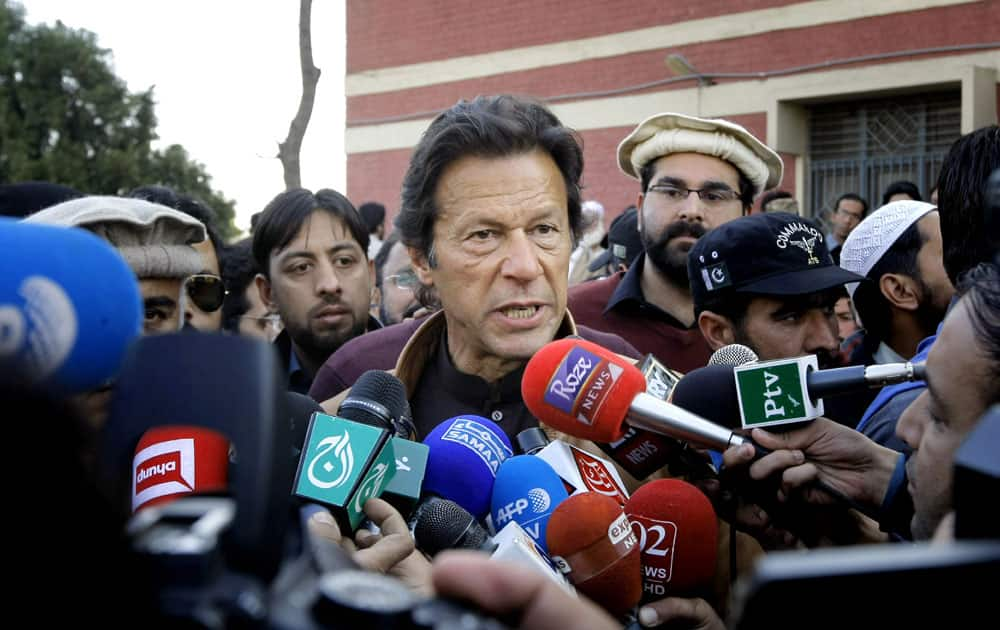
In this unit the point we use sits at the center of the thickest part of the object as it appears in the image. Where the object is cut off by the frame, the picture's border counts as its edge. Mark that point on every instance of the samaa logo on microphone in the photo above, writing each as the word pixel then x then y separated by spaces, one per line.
pixel 581 383
pixel 162 469
pixel 479 439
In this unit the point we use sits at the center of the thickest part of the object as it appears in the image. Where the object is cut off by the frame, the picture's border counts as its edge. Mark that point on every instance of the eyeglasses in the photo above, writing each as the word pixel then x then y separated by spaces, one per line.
pixel 206 291
pixel 404 280
pixel 709 196
pixel 270 321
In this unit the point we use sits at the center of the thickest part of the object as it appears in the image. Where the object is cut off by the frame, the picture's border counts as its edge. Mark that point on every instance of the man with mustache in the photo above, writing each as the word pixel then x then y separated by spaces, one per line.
pixel 315 273
pixel 696 175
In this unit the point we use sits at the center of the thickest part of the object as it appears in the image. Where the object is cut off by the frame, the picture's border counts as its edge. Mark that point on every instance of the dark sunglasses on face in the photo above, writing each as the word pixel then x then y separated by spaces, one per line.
pixel 206 291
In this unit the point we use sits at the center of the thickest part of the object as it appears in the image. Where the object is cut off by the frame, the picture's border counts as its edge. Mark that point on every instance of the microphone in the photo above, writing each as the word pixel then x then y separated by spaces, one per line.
pixel 465 453
pixel 617 387
pixel 378 399
pixel 516 545
pixel 733 354
pixel 176 460
pixel 678 534
pixel 440 524
pixel 593 544
pixel 525 492
pixel 343 464
pixel 581 471
pixel 69 308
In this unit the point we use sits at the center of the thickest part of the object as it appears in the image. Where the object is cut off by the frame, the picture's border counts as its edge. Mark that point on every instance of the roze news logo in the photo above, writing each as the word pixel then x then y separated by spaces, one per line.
pixel 581 384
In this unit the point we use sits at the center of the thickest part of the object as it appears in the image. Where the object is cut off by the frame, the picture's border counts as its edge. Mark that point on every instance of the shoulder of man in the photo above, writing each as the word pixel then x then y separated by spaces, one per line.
pixel 592 296
pixel 375 350
pixel 608 340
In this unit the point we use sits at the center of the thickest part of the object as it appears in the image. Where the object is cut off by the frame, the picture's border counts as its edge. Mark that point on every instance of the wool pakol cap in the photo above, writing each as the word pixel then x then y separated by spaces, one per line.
pixel 154 240
pixel 773 253
pixel 668 133
pixel 873 237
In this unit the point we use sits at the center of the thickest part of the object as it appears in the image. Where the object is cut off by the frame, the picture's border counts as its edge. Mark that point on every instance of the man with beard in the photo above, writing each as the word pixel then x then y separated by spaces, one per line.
pixel 696 175
pixel 311 250
pixel 767 281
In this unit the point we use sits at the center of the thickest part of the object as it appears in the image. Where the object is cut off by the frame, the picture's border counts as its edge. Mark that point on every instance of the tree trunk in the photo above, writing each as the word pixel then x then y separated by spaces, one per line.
pixel 288 151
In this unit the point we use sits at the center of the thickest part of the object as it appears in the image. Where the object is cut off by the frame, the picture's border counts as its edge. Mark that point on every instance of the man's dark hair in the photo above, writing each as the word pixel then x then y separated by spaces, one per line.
pixel 238 273
pixel 873 308
pixel 486 127
pixel 852 197
pixel 373 214
pixel 746 186
pixel 980 286
pixel 901 187
pixel 190 206
pixel 282 219
pixel 961 200
pixel 383 255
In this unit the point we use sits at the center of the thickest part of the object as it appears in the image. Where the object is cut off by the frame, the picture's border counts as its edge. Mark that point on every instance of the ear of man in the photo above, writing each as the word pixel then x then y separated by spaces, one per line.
pixel 718 330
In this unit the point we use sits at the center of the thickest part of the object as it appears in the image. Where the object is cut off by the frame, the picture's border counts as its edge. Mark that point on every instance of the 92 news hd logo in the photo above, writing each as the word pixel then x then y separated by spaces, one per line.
pixel 162 469
pixel 581 383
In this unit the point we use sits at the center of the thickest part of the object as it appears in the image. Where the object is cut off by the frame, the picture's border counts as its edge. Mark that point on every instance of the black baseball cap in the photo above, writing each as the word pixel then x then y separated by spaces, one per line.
pixel 623 242
pixel 773 253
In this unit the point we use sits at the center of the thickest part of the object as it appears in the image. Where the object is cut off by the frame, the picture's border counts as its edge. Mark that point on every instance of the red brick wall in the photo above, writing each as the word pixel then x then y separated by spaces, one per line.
pixel 388 33
pixel 771 51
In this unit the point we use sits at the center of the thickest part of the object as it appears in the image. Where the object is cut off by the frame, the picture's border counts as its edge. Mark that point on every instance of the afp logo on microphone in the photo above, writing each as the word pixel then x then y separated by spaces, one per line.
pixel 581 383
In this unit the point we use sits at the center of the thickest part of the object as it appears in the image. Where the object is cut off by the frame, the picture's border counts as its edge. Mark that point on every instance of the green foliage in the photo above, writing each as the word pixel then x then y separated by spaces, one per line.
pixel 66 118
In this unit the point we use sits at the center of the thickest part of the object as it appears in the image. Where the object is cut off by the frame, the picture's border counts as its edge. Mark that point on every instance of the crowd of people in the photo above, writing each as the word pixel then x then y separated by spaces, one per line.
pixel 495 253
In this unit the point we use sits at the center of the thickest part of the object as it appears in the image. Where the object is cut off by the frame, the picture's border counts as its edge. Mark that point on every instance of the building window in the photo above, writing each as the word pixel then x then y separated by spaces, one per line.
pixel 863 146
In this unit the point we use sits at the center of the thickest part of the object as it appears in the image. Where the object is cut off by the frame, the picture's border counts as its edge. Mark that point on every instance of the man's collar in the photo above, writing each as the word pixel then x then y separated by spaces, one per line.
pixel 629 290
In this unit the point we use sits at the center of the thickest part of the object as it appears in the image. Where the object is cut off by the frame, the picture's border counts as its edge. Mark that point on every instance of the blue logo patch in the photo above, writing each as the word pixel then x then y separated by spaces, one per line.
pixel 479 439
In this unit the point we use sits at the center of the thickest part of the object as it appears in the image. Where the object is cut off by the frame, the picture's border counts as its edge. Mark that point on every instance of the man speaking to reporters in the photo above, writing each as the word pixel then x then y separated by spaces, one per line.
pixel 490 212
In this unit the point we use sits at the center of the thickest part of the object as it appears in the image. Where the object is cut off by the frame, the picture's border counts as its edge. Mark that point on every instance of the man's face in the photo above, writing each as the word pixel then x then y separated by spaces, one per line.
pixel 846 326
pixel 204 321
pixel 398 284
pixel 161 299
pixel 958 390
pixel 937 288
pixel 256 321
pixel 846 217
pixel 670 228
pixel 784 327
pixel 502 243
pixel 320 284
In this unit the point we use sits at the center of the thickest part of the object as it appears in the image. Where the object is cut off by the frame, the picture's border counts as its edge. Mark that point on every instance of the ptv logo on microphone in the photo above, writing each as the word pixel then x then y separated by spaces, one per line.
pixel 581 383
pixel 163 469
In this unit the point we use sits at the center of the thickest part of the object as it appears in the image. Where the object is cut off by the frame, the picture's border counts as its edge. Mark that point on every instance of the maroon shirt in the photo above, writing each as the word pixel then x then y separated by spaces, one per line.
pixel 616 305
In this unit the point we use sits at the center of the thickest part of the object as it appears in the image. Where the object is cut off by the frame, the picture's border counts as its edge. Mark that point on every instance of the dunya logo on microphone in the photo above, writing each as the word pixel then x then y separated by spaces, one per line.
pixel 341 460
pixel 581 383
pixel 479 439
pixel 162 469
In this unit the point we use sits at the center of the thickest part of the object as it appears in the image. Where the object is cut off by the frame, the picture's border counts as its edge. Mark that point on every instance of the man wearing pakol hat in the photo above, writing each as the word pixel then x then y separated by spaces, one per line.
pixel 696 174
pixel 767 281
pixel 155 241
pixel 898 248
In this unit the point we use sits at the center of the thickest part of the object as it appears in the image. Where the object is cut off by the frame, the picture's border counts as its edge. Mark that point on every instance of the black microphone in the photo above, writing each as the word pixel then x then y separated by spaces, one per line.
pixel 378 399
pixel 440 524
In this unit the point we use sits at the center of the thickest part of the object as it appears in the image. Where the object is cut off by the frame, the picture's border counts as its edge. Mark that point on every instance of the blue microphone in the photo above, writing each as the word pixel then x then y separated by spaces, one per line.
pixel 526 491
pixel 69 308
pixel 464 454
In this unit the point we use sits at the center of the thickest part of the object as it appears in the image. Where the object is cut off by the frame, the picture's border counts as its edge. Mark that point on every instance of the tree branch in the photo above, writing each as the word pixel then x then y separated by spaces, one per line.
pixel 288 151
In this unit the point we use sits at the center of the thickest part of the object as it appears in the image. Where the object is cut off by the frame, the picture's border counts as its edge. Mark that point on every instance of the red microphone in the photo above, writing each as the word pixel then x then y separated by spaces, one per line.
pixel 177 460
pixel 587 391
pixel 678 534
pixel 591 541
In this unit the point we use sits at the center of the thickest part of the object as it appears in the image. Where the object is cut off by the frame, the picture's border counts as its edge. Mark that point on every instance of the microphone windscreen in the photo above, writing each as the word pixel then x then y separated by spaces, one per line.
pixel 378 399
pixel 733 354
pixel 300 409
pixel 464 454
pixel 440 524
pixel 581 389
pixel 172 461
pixel 710 392
pixel 526 491
pixel 69 308
pixel 590 539
pixel 678 534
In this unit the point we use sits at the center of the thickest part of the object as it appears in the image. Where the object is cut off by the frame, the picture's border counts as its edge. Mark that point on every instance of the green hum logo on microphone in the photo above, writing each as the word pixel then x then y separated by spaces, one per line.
pixel 343 465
